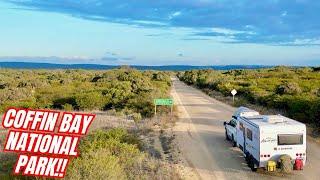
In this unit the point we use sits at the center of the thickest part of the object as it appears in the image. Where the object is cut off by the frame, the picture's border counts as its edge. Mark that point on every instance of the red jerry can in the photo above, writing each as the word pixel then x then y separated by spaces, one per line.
pixel 298 164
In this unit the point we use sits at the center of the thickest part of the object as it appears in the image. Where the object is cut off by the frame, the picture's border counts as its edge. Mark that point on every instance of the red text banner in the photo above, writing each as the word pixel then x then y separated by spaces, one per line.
pixel 45 140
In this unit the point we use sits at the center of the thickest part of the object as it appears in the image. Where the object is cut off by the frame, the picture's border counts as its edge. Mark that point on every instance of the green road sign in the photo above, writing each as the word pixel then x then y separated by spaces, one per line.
pixel 163 102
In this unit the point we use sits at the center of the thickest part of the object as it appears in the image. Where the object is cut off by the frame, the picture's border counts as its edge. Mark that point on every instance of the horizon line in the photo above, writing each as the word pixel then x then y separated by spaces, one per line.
pixel 117 65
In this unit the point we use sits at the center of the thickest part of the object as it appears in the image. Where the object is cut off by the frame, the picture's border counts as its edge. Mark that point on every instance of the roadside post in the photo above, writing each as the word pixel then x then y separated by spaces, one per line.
pixel 233 92
pixel 163 102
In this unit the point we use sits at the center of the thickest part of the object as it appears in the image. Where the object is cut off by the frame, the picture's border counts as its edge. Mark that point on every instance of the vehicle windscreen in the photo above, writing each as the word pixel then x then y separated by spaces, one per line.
pixel 290 139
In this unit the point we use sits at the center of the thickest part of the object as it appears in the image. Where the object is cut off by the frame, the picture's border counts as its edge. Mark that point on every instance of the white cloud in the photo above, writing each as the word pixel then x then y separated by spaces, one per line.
pixel 230 31
pixel 284 13
pixel 175 14
pixel 49 59
pixel 306 41
pixel 178 13
pixel 144 22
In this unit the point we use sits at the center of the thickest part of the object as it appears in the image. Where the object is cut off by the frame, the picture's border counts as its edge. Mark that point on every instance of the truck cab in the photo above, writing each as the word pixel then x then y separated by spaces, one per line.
pixel 231 131
pixel 231 126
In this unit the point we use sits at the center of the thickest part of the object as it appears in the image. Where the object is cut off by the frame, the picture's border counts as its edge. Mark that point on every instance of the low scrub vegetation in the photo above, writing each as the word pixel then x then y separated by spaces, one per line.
pixel 295 91
pixel 115 154
pixel 105 154
pixel 124 89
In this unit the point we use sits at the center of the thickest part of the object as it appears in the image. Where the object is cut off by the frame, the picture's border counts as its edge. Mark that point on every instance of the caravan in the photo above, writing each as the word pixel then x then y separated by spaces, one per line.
pixel 264 138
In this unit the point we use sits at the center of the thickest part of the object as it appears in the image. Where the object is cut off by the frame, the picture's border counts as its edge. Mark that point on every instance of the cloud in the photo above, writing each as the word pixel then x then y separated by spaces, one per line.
pixel 159 34
pixel 196 39
pixel 226 31
pixel 128 58
pixel 240 37
pixel 109 59
pixel 111 53
pixel 269 21
pixel 175 14
pixel 180 54
pixel 113 57
pixel 285 13
pixel 48 59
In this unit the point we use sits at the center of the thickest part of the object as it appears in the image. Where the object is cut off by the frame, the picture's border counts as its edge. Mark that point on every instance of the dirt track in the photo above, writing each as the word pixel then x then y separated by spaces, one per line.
pixel 200 134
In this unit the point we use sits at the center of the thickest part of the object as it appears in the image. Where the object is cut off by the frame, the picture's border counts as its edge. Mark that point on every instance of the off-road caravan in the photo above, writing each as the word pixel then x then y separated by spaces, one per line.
pixel 263 138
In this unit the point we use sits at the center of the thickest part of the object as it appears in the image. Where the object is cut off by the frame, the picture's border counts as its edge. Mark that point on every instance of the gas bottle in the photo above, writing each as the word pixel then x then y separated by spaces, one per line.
pixel 298 164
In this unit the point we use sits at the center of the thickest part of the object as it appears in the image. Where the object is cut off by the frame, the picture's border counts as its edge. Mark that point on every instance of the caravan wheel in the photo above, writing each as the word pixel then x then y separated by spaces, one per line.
pixel 247 158
pixel 251 164
pixel 234 143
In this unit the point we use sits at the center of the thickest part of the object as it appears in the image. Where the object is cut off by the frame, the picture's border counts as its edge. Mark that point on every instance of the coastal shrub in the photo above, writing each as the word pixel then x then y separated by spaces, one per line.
pixel 111 154
pixel 288 88
pixel 89 101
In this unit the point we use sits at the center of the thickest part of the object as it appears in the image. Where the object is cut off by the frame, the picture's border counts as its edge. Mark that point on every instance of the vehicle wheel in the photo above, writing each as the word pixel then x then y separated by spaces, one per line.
pixel 247 158
pixel 227 137
pixel 251 164
pixel 234 143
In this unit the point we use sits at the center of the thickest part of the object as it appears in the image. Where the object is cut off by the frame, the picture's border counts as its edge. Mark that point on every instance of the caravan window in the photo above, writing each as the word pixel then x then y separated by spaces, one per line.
pixel 249 134
pixel 290 139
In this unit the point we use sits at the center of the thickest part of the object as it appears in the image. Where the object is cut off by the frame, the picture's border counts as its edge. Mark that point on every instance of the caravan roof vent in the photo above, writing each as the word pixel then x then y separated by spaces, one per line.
pixel 274 119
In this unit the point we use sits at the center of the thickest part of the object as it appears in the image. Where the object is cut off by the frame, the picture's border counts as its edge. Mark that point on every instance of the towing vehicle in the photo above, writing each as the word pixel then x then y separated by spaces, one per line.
pixel 231 126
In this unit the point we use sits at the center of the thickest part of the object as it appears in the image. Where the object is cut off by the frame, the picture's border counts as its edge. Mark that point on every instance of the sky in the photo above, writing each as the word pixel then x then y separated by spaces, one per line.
pixel 166 32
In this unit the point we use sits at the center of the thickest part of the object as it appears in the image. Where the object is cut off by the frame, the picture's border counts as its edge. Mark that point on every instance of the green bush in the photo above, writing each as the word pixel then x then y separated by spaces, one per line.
pixel 136 117
pixel 112 154
pixel 317 92
pixel 90 101
pixel 291 88
pixel 67 107
pixel 7 162
pixel 99 164
pixel 315 112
